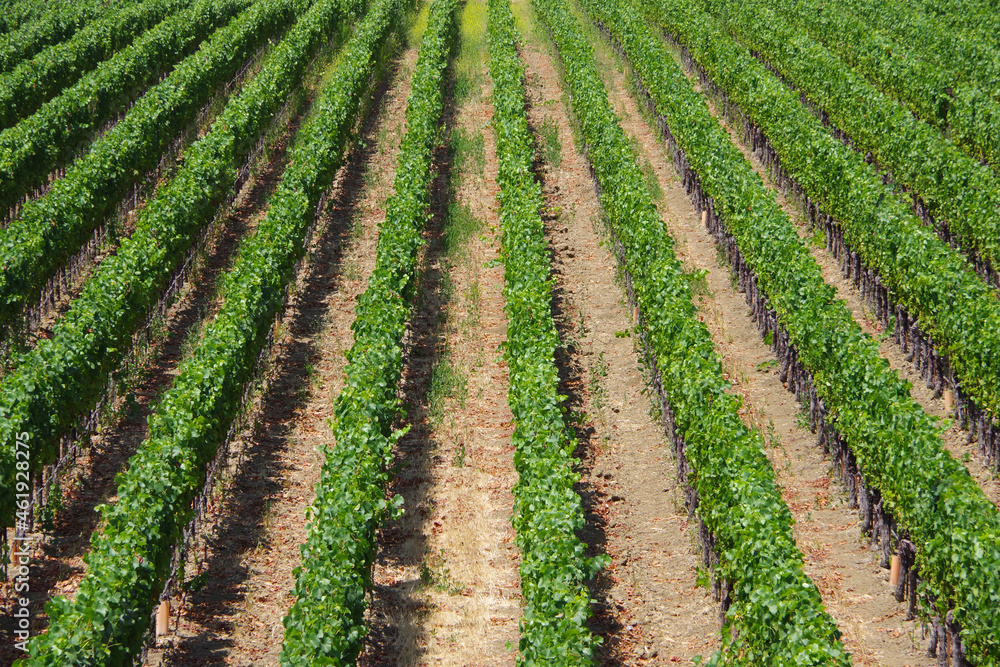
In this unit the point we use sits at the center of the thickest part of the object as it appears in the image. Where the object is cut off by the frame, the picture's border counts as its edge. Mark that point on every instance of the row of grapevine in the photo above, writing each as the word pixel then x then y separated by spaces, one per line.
pixel 35 81
pixel 64 125
pixel 775 614
pixel 20 13
pixel 53 26
pixel 924 35
pixel 889 450
pixel 960 194
pixel 915 269
pixel 53 227
pixel 326 625
pixel 937 80
pixel 547 509
pixel 911 38
pixel 107 621
pixel 968 20
pixel 66 375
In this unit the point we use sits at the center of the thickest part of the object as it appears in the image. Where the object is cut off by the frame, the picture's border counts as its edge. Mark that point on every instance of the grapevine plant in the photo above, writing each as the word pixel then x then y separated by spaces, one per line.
pixel 325 626
pixel 776 616
pixel 897 446
pixel 52 228
pixel 547 509
pixel 955 35
pixel 20 14
pixel 130 559
pixel 56 22
pixel 947 80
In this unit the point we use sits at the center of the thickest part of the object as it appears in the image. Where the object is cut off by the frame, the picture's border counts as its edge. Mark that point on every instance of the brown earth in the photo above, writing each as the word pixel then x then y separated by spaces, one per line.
pixel 650 608
pixel 447 590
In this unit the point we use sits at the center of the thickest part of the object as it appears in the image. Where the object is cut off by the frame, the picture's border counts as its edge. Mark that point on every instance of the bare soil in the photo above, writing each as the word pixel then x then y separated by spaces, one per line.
pixel 447 590
pixel 650 608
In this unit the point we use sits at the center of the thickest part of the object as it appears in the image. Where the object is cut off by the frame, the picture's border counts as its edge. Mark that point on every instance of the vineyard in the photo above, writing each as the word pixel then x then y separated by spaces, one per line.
pixel 496 332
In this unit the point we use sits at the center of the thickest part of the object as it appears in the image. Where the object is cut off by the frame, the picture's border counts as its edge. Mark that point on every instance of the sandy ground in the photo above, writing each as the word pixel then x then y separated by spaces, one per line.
pixel 447 590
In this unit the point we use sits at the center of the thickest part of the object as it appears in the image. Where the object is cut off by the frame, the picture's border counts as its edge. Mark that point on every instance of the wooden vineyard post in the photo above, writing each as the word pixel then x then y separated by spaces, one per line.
pixel 704 218
pixel 163 619
pixel 949 399
pixel 635 316
pixel 894 571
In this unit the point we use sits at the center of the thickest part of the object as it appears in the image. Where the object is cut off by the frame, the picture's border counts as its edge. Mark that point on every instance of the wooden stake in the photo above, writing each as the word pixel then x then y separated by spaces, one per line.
pixel 894 571
pixel 635 316
pixel 163 618
pixel 704 218
pixel 949 399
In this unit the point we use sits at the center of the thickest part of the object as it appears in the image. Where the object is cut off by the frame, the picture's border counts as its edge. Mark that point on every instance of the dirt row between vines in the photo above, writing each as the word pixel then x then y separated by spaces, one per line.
pixel 838 557
pixel 429 583
pixel 447 590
